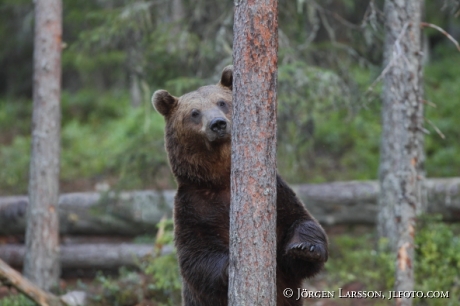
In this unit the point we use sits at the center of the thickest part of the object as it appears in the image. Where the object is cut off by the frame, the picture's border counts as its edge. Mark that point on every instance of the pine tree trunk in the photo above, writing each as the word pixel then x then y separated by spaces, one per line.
pixel 401 175
pixel 252 268
pixel 41 264
pixel 135 61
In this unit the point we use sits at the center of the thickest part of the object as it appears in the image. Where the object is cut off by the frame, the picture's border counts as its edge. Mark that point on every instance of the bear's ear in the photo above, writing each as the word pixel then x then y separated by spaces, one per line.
pixel 164 102
pixel 226 79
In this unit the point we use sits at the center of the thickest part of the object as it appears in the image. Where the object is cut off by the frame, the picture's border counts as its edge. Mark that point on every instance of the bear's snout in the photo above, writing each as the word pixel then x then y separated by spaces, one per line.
pixel 218 125
pixel 218 129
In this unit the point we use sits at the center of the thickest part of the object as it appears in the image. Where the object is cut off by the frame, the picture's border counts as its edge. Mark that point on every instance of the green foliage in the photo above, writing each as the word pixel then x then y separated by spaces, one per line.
pixel 126 290
pixel 101 137
pixel 158 281
pixel 442 89
pixel 16 300
pixel 15 115
pixel 164 270
pixel 166 284
pixel 119 141
pixel 437 261
pixel 325 132
pixel 182 85
pixel 357 259
pixel 15 160
pixel 167 235
pixel 329 129
pixel 324 135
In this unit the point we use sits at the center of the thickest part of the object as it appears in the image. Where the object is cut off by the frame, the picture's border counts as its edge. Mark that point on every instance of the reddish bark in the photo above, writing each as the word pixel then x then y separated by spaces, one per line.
pixel 252 268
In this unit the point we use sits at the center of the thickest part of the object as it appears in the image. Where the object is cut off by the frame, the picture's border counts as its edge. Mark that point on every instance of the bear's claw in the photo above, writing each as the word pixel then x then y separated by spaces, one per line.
pixel 307 251
pixel 308 242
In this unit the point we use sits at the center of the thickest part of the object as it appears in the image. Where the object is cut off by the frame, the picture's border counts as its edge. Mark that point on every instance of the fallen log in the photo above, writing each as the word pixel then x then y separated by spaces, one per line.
pixel 92 213
pixel 42 298
pixel 138 212
pixel 88 256
pixel 356 202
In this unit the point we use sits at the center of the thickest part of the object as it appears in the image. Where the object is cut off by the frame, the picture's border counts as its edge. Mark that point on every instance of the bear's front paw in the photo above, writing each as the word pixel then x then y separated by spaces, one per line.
pixel 308 242
pixel 307 251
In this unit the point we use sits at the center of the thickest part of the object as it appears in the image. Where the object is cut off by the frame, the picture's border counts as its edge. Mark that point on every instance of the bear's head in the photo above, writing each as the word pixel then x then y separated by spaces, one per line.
pixel 197 132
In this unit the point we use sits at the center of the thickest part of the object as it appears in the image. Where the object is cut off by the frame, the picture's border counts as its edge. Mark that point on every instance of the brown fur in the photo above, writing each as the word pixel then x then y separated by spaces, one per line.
pixel 199 156
pixel 191 156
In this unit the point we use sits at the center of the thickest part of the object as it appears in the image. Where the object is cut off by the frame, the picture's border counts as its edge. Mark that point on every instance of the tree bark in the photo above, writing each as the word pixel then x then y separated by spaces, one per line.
pixel 252 267
pixel 401 175
pixel 135 64
pixel 138 212
pixel 42 237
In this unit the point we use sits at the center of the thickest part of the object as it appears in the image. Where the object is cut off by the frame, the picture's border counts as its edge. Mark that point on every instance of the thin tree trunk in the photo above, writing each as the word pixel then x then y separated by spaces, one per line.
pixel 252 268
pixel 41 264
pixel 401 175
pixel 176 15
pixel 134 77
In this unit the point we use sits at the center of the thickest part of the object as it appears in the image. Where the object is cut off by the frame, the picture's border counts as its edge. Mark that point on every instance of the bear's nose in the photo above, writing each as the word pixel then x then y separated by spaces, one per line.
pixel 218 125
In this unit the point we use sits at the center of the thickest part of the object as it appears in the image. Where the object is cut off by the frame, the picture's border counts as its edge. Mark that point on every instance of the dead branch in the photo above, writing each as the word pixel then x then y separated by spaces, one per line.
pixel 397 53
pixel 436 128
pixel 430 25
pixel 10 276
pixel 336 16
pixel 429 103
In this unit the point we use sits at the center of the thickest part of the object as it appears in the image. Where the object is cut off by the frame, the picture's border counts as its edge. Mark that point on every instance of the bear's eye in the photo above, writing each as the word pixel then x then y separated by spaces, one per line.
pixel 195 113
pixel 221 104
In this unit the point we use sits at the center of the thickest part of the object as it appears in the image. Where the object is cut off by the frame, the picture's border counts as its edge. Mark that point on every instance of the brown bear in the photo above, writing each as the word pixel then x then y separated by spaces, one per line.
pixel 198 143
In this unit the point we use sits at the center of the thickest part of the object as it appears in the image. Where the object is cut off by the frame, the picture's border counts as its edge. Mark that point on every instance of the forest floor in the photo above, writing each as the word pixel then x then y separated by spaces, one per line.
pixel 102 285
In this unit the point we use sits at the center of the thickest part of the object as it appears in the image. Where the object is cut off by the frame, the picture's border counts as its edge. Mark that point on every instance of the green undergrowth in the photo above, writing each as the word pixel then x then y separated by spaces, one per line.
pixel 16 300
pixel 101 138
pixel 368 262
pixel 327 130
pixel 159 280
pixel 354 259
pixel 442 81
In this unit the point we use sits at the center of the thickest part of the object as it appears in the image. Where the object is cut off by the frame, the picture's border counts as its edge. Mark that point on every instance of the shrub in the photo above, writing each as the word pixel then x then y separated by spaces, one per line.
pixel 16 300
pixel 437 261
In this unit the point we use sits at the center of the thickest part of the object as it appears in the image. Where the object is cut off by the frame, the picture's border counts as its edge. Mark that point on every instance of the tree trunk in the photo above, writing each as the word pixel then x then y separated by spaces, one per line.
pixel 135 64
pixel 252 267
pixel 135 89
pixel 42 237
pixel 175 16
pixel 401 175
